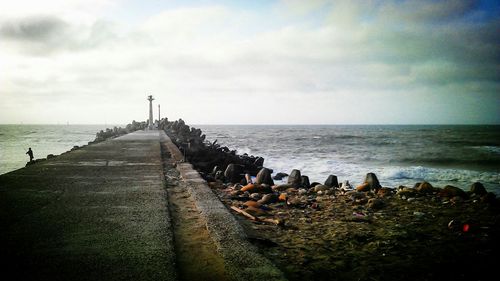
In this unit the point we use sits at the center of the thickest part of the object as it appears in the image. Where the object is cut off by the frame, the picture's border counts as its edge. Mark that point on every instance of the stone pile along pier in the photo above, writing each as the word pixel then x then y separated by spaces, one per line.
pixel 126 208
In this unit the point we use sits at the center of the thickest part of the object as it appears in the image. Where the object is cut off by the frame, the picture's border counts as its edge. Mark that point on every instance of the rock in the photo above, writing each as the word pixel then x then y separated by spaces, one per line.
pixel 255 196
pixel 332 181
pixel 281 187
pixel 320 187
pixel 259 162
pixel 425 187
pixel 214 170
pixel 234 173
pixel 385 192
pixel 346 185
pixel 476 188
pixel 315 184
pixel 294 201
pixel 407 192
pixel 418 214
pixel 219 175
pixel 329 191
pixel 235 193
pixel 268 199
pixel 291 190
pixel 264 176
pixel 252 188
pixel 376 203
pixel 489 198
pixel 265 188
pixel 252 203
pixel 354 195
pixel 256 212
pixel 282 197
pixel 372 181
pixel 280 176
pixel 302 191
pixel 305 182
pixel 452 191
pixel 295 178
pixel 50 156
pixel 364 187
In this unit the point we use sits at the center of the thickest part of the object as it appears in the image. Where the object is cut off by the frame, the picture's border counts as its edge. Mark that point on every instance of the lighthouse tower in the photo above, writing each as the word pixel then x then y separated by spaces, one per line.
pixel 150 99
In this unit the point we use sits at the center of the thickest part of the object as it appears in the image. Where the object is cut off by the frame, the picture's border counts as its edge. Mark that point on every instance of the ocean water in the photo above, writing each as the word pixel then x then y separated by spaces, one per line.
pixel 398 155
pixel 43 140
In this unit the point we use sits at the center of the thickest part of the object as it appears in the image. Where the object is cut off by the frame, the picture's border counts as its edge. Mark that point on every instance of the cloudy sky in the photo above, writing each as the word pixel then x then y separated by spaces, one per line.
pixel 250 62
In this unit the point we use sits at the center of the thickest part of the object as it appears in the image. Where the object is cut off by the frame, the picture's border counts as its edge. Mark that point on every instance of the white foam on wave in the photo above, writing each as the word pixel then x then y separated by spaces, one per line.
pixel 391 176
pixel 488 148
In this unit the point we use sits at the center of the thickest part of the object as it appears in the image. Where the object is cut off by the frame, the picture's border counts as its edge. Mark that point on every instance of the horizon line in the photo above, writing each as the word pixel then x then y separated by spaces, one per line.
pixel 269 124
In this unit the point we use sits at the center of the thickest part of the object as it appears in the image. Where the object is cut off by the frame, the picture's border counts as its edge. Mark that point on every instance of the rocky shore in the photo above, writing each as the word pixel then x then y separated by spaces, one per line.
pixel 333 231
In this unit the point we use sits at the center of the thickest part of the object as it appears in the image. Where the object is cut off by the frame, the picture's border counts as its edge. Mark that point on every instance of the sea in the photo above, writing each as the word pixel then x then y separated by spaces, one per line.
pixel 43 140
pixel 397 154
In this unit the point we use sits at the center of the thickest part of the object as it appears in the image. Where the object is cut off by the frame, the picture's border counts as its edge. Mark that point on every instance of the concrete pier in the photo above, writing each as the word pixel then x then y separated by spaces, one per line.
pixel 96 213
pixel 101 212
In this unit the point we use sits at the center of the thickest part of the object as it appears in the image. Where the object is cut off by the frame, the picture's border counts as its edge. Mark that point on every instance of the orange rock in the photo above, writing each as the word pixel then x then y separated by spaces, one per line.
pixel 282 197
pixel 364 187
pixel 249 187
pixel 384 192
pixel 255 211
pixel 425 187
pixel 252 203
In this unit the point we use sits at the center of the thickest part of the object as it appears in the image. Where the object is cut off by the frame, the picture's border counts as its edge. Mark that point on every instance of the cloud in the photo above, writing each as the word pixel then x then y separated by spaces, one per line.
pixel 35 29
pixel 314 57
pixel 43 35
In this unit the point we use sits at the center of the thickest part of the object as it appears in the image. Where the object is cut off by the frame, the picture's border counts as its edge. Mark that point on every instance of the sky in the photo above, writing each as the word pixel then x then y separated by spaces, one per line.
pixel 250 62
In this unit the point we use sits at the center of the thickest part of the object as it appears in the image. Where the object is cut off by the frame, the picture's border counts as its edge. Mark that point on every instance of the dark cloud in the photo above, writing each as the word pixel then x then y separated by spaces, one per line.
pixel 35 29
pixel 45 35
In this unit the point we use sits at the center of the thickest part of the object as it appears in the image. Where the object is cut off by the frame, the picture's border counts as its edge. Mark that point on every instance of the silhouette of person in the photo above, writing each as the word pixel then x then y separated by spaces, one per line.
pixel 30 154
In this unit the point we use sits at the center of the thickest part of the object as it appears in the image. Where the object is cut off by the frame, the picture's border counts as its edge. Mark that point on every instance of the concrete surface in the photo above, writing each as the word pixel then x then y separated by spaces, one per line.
pixel 96 213
pixel 242 260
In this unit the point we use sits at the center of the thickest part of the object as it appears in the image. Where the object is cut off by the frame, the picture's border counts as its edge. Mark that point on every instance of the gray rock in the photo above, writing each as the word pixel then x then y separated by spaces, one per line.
pixel 372 180
pixel 280 176
pixel 332 181
pixel 295 178
pixel 305 182
pixel 476 188
pixel 264 176
pixel 234 173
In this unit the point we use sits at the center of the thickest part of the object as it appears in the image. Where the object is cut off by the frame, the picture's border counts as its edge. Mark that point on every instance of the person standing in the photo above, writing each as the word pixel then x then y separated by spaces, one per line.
pixel 30 154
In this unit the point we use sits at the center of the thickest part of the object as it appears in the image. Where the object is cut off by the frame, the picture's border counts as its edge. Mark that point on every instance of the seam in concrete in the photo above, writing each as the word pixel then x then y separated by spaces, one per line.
pixel 242 260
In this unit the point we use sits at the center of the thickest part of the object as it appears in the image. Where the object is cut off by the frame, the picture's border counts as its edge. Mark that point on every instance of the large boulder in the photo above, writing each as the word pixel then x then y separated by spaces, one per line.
pixel 259 162
pixel 280 176
pixel 332 181
pixel 234 173
pixel 264 176
pixel 452 191
pixel 425 187
pixel 305 182
pixel 295 178
pixel 372 180
pixel 478 188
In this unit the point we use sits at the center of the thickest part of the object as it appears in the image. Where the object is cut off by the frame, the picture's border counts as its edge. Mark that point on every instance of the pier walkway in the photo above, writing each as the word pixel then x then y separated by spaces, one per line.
pixel 119 210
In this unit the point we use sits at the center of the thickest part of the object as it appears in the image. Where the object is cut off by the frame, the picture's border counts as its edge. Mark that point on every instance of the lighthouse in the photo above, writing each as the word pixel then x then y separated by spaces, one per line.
pixel 150 99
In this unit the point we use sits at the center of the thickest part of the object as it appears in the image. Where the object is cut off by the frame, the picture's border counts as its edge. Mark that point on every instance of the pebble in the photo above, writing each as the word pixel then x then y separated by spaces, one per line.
pixel 411 199
pixel 418 214
pixel 255 196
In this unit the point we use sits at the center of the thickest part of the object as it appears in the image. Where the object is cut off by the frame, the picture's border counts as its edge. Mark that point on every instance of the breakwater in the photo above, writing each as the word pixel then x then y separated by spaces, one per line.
pixel 337 231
